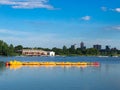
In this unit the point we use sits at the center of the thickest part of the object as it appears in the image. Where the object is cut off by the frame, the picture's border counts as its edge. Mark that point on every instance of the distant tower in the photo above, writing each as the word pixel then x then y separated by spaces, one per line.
pixel 82 45
pixel 98 47
pixel 107 48
pixel 75 46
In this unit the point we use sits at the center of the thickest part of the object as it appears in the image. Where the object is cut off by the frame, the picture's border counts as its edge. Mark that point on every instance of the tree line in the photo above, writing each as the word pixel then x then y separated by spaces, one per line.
pixel 86 51
pixel 10 50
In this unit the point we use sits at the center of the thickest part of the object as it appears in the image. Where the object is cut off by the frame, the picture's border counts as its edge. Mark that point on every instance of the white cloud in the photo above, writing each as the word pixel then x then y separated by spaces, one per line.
pixel 110 9
pixel 86 18
pixel 116 27
pixel 104 8
pixel 117 10
pixel 27 4
pixel 113 27
pixel 12 32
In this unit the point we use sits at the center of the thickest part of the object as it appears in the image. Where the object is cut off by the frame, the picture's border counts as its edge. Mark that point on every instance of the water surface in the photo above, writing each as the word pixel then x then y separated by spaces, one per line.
pixel 103 77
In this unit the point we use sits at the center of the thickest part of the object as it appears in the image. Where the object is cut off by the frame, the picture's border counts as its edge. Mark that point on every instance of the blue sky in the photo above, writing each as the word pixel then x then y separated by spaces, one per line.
pixel 50 23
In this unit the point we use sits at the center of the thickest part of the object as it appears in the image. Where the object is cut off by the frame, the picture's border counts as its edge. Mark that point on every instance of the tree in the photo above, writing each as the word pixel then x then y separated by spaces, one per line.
pixel 92 51
pixel 58 51
pixel 18 48
pixel 78 51
pixel 65 50
pixel 72 49
pixel 5 49
pixel 1 46
pixel 11 50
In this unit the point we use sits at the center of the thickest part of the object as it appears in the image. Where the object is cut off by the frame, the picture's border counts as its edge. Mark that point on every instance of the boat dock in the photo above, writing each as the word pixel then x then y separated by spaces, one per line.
pixel 50 63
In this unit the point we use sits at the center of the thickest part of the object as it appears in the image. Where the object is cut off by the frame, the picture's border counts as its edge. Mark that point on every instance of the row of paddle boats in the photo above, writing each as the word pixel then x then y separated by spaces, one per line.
pixel 50 63
pixel 14 65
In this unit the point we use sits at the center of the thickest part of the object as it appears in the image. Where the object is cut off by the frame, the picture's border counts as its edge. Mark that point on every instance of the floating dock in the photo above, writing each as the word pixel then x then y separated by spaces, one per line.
pixel 50 63
pixel 14 65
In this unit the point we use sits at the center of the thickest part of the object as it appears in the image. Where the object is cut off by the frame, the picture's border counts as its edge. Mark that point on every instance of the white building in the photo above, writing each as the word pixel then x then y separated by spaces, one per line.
pixel 32 52
pixel 51 53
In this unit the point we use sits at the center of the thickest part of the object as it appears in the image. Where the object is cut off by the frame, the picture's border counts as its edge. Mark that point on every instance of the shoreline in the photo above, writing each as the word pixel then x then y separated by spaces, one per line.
pixel 100 56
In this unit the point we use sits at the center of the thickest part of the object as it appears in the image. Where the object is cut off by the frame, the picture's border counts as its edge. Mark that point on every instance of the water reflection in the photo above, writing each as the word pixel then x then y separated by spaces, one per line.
pixel 16 67
pixel 2 67
pixel 105 76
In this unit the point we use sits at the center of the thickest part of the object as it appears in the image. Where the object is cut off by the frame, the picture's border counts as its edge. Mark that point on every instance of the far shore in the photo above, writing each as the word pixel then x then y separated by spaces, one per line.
pixel 64 56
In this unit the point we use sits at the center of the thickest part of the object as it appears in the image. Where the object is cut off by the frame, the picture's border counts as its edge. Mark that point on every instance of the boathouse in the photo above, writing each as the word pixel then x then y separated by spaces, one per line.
pixel 33 52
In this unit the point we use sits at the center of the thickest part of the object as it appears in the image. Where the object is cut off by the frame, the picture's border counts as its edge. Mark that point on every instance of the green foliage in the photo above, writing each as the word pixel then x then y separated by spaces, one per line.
pixel 65 50
pixel 58 51
pixel 6 50
pixel 19 47
pixel 87 52
pixel 10 50
pixel 78 51
pixel 92 51
pixel 72 49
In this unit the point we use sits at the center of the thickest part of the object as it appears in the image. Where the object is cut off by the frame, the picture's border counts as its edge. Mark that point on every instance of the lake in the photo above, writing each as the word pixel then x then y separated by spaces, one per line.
pixel 106 76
